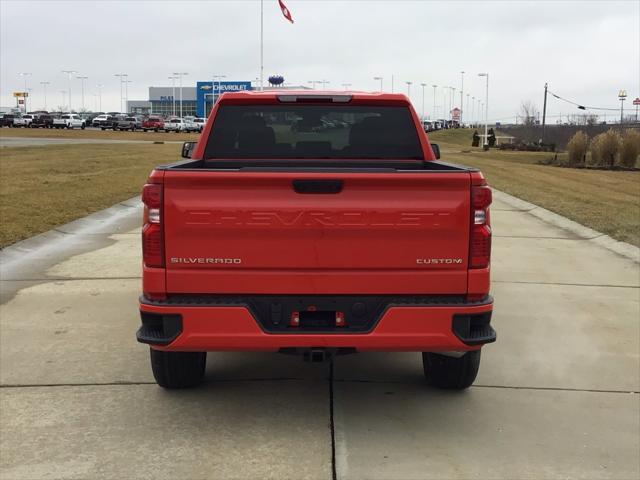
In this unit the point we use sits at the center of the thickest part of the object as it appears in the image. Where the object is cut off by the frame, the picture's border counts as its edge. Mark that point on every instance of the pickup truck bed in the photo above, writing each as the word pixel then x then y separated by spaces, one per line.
pixel 314 247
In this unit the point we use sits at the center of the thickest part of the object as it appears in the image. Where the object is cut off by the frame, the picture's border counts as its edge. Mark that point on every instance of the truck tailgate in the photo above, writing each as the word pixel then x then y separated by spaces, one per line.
pixel 316 233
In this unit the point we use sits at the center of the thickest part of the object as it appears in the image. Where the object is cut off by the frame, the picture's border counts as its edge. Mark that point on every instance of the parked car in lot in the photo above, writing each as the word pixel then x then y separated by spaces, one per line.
pixel 42 120
pixel 175 125
pixel 302 244
pixel 200 123
pixel 23 121
pixel 110 122
pixel 90 117
pixel 153 122
pixel 129 123
pixel 100 118
pixel 70 121
pixel 7 120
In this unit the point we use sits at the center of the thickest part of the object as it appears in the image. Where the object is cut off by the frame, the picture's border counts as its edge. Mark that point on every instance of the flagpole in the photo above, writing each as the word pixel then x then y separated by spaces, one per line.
pixel 261 45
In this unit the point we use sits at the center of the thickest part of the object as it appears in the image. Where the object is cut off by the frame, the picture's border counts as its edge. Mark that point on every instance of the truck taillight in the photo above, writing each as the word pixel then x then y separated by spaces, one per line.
pixel 152 236
pixel 480 238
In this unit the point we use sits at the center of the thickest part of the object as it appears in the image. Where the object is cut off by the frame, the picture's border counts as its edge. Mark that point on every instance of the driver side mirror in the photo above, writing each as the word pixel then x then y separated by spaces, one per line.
pixel 187 149
pixel 436 150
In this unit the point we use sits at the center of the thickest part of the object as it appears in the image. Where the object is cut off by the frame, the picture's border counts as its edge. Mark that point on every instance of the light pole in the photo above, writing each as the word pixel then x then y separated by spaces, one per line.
pixel 434 101
pixel 622 95
pixel 461 96
pixel 473 110
pixel 126 95
pixel 452 104
pixel 100 95
pixel 213 95
pixel 324 84
pixel 409 89
pixel 121 76
pixel 82 79
pixel 44 86
pixel 423 85
pixel 180 75
pixel 468 106
pixel 69 73
pixel 63 92
pixel 26 93
pixel 486 107
pixel 313 83
pixel 379 78
pixel 173 93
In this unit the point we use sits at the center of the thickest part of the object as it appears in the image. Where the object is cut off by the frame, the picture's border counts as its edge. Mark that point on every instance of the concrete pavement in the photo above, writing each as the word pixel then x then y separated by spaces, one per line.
pixel 557 396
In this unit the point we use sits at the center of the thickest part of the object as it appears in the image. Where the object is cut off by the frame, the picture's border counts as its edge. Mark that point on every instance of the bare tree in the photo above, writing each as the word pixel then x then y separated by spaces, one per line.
pixel 529 112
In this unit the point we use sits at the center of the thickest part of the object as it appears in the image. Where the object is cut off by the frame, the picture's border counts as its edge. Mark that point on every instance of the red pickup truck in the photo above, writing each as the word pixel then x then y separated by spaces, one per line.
pixel 153 122
pixel 318 224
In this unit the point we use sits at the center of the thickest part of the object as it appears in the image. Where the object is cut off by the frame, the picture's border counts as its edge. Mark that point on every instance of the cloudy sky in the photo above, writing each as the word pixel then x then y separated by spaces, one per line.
pixel 586 50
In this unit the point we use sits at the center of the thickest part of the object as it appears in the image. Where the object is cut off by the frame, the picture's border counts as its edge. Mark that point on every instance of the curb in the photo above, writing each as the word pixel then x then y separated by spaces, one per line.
pixel 621 248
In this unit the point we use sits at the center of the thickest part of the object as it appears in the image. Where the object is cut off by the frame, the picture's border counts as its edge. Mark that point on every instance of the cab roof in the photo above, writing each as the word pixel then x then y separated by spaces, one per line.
pixel 337 96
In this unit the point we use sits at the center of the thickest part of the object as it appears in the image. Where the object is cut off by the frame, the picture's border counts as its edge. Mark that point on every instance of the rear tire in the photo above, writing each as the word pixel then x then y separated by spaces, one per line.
pixel 178 369
pixel 449 372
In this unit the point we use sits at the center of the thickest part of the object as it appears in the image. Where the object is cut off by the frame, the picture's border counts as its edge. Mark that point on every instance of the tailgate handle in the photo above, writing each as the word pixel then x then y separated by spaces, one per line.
pixel 317 186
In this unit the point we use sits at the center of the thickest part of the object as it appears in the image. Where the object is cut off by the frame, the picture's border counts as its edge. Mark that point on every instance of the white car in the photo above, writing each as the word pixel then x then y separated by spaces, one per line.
pixel 70 121
pixel 23 121
pixel 100 118
pixel 200 123
pixel 176 125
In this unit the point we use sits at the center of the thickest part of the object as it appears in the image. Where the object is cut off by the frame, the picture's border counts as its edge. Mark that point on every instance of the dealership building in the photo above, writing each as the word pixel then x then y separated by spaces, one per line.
pixel 196 101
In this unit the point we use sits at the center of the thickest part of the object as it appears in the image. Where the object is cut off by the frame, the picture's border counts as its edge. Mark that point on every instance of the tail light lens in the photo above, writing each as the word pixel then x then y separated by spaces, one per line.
pixel 152 235
pixel 480 238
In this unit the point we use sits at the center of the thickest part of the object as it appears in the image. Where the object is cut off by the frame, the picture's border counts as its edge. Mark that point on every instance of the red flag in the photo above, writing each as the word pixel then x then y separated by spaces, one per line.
pixel 285 11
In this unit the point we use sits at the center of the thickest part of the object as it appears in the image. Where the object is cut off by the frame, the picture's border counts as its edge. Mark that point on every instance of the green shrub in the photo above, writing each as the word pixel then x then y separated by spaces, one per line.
pixel 604 148
pixel 577 148
pixel 630 149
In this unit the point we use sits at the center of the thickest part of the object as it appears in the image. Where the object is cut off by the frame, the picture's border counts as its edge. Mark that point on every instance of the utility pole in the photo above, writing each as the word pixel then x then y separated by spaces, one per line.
pixel 409 89
pixel 126 95
pixel 44 85
pixel 473 111
pixel 544 113
pixel 82 79
pixel 392 90
pixel 379 78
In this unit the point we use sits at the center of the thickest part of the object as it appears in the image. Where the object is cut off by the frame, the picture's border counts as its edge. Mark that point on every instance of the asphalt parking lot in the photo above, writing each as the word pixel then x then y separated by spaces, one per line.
pixel 558 396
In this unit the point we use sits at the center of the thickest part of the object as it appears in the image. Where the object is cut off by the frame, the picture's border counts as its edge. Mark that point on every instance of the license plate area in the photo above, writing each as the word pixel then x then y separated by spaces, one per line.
pixel 316 319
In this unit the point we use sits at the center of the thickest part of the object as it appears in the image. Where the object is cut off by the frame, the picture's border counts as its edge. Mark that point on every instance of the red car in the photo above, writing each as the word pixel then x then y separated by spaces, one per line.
pixel 347 235
pixel 153 122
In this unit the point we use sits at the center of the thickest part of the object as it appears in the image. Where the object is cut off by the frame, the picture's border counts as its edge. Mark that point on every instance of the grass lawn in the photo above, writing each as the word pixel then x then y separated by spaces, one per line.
pixel 96 134
pixel 606 201
pixel 43 187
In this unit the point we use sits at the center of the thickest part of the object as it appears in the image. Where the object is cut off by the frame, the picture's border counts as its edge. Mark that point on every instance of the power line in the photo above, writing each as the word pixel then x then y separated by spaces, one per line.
pixel 580 106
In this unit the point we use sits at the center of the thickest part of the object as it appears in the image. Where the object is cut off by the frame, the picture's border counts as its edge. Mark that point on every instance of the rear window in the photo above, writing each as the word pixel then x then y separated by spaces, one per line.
pixel 153 119
pixel 130 119
pixel 314 132
pixel 175 120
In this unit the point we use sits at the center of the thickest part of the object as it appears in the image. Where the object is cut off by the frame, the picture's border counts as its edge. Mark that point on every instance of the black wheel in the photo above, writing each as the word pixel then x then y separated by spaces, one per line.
pixel 102 128
pixel 155 130
pixel 449 372
pixel 178 369
pixel 133 128
pixel 82 127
